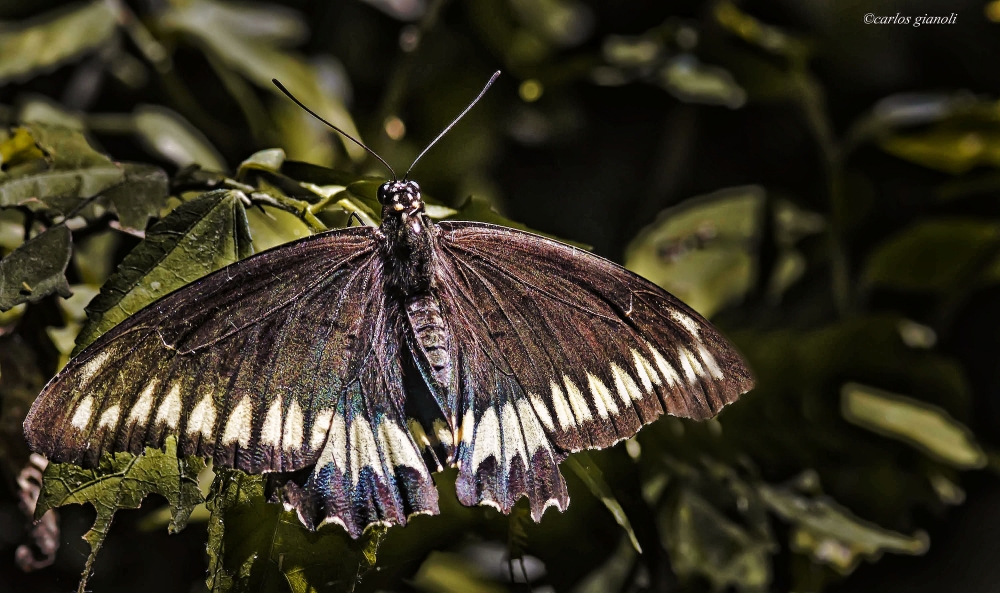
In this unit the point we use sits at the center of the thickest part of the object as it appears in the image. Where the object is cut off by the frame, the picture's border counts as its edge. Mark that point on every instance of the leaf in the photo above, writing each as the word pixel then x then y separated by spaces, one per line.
pixel 703 541
pixel 209 25
pixel 36 269
pixel 197 238
pixel 591 475
pixel 832 535
pixel 122 481
pixel 56 37
pixel 254 545
pixel 140 196
pixel 933 255
pixel 445 572
pixel 691 81
pixel 704 250
pixel 53 167
pixel 270 159
pixel 948 147
pixel 924 426
pixel 170 136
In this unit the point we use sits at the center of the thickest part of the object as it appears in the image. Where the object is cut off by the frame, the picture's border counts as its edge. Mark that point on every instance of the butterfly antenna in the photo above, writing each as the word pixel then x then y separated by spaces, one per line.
pixel 452 124
pixel 346 135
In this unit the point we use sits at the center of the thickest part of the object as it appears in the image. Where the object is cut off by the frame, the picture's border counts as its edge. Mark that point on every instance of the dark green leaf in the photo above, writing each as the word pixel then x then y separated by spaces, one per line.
pixel 36 269
pixel 169 135
pixel 55 38
pixel 934 255
pixel 703 541
pixel 704 250
pixel 141 196
pixel 591 475
pixel 832 535
pixel 926 427
pixel 197 238
pixel 256 546
pixel 64 171
pixel 122 481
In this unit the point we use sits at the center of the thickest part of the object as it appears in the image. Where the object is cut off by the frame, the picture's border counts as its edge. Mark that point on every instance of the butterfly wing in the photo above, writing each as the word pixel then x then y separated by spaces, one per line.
pixel 271 364
pixel 562 351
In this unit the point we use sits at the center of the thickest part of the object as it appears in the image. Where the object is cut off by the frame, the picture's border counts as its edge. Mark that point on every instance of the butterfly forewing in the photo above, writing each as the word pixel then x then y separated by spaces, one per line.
pixel 272 364
pixel 562 339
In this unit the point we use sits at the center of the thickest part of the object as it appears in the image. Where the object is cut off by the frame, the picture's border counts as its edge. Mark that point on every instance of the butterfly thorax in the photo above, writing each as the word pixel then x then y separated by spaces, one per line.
pixel 408 243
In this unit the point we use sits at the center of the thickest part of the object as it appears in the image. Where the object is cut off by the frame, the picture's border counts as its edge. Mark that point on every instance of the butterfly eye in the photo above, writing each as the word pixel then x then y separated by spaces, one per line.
pixel 383 194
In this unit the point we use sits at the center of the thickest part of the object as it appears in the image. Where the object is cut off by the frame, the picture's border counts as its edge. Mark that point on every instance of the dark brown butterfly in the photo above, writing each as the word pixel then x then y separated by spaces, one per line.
pixel 369 357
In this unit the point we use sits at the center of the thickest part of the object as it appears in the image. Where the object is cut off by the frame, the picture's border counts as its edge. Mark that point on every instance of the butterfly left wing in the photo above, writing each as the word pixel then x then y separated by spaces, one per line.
pixel 560 351
pixel 283 360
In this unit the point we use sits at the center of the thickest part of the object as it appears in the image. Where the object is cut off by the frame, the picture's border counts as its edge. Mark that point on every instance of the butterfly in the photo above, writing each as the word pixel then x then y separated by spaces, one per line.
pixel 364 358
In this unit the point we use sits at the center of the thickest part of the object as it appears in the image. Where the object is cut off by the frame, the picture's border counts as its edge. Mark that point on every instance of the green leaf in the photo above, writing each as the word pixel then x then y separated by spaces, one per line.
pixel 197 238
pixel 122 481
pixel 691 81
pixel 141 196
pixel 703 541
pixel 704 250
pixel 56 170
pixel 832 535
pixel 270 159
pixel 924 426
pixel 169 135
pixel 56 37
pixel 213 26
pixel 951 148
pixel 36 269
pixel 934 255
pixel 256 546
pixel 581 464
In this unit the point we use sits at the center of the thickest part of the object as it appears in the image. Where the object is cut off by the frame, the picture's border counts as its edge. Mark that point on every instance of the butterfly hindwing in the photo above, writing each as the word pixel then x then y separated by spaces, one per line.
pixel 565 339
pixel 270 365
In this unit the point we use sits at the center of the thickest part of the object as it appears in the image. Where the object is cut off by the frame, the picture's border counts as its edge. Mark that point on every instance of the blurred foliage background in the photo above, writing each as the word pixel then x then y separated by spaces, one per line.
pixel 824 190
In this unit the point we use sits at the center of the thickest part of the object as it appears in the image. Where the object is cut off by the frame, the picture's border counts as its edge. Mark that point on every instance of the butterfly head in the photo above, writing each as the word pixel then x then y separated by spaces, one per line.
pixel 401 196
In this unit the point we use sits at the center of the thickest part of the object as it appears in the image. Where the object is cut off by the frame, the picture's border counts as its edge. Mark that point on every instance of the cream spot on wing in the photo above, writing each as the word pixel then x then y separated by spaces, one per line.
pixel 644 368
pixel 270 432
pixel 291 436
pixel 321 426
pixel 109 419
pixel 169 411
pixel 534 437
pixel 625 384
pixel 541 410
pixel 561 406
pixel 399 447
pixel 142 408
pixel 83 412
pixel 666 369
pixel 709 360
pixel 417 432
pixel 364 451
pixel 468 427
pixel 92 366
pixel 487 441
pixel 336 443
pixel 603 400
pixel 690 365
pixel 576 401
pixel 238 426
pixel 689 324
pixel 513 442
pixel 202 419
pixel 552 502
pixel 442 432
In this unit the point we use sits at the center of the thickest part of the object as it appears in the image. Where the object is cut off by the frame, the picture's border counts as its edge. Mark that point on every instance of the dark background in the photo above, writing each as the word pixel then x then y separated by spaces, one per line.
pixel 596 163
